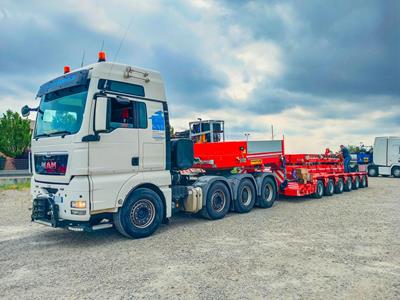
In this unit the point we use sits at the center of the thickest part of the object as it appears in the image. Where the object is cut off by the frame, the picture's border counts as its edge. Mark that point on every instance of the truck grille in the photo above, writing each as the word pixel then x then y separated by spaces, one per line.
pixel 55 164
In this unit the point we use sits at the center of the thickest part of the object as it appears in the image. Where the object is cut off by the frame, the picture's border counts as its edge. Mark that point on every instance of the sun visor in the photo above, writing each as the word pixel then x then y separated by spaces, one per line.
pixel 65 81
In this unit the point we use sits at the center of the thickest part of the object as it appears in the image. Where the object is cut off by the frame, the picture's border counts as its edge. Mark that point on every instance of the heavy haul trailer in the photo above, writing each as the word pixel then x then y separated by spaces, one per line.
pixel 294 174
pixel 102 156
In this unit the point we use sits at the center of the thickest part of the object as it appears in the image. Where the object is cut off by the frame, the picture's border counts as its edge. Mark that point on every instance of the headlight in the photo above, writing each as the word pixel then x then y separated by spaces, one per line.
pixel 78 204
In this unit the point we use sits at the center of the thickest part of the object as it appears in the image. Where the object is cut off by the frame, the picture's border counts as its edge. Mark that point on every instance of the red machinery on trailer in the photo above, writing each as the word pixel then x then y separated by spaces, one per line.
pixel 295 174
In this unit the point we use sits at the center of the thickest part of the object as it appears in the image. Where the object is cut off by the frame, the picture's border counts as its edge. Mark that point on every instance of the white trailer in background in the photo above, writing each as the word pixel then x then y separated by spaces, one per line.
pixel 386 157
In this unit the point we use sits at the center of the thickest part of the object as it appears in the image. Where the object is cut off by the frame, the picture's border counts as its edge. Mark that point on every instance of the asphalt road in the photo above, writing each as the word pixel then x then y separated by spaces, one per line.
pixel 345 246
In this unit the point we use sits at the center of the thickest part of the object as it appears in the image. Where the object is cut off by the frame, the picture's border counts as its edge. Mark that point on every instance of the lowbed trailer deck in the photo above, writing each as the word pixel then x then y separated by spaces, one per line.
pixel 296 174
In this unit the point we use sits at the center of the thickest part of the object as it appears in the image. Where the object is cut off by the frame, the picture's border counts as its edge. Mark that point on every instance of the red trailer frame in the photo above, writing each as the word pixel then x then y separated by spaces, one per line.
pixel 269 156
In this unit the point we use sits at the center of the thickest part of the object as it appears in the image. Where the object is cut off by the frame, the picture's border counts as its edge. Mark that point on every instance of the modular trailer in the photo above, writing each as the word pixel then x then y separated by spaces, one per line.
pixel 102 157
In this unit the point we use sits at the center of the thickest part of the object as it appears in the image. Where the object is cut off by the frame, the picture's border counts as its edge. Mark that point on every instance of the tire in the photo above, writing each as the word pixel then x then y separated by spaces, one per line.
pixel 363 181
pixel 348 185
pixel 118 223
pixel 218 201
pixel 319 190
pixel 330 188
pixel 356 183
pixel 396 172
pixel 268 193
pixel 246 196
pixel 373 171
pixel 141 214
pixel 339 188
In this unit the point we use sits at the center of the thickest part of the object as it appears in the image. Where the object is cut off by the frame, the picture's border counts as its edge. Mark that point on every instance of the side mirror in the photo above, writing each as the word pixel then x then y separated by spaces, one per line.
pixel 25 111
pixel 100 123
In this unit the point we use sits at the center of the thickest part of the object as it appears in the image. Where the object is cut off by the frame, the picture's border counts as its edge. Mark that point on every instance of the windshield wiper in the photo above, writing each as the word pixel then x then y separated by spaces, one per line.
pixel 41 135
pixel 62 132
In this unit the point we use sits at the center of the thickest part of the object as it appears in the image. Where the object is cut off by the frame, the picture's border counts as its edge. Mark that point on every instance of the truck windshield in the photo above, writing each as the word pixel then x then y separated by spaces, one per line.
pixel 60 112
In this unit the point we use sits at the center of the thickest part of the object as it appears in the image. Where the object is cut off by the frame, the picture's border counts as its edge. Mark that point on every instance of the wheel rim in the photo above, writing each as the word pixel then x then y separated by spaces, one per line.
pixel 246 195
pixel 331 187
pixel 320 189
pixel 268 192
pixel 143 213
pixel 349 183
pixel 341 185
pixel 396 172
pixel 372 172
pixel 218 201
pixel 364 181
pixel 357 182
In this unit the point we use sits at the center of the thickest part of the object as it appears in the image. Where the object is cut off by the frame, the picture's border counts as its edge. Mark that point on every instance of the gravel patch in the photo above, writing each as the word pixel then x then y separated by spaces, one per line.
pixel 344 246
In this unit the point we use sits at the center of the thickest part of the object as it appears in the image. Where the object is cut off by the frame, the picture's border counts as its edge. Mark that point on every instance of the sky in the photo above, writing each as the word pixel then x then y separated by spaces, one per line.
pixel 323 73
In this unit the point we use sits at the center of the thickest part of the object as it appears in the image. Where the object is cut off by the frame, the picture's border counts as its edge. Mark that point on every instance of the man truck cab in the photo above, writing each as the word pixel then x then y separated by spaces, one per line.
pixel 386 157
pixel 100 131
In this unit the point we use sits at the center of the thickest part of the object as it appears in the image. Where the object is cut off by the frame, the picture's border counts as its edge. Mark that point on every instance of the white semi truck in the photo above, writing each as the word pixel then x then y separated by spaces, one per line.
pixel 386 157
pixel 101 156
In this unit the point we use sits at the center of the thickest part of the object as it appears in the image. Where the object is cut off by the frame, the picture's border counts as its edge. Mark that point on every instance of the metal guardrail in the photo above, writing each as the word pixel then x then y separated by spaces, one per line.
pixel 15 173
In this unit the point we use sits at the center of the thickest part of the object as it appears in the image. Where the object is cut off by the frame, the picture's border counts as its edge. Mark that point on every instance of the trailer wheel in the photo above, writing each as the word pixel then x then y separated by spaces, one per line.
pixel 372 171
pixel 330 188
pixel 246 196
pixel 396 172
pixel 319 190
pixel 339 186
pixel 141 214
pixel 348 184
pixel 363 182
pixel 268 193
pixel 356 183
pixel 218 201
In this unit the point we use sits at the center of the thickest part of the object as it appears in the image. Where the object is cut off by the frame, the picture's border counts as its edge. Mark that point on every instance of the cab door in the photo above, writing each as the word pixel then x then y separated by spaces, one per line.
pixel 394 151
pixel 152 138
pixel 115 157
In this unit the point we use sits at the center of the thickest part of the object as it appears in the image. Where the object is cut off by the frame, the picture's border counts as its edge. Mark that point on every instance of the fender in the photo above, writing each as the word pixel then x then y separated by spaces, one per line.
pixel 161 180
pixel 205 182
pixel 234 181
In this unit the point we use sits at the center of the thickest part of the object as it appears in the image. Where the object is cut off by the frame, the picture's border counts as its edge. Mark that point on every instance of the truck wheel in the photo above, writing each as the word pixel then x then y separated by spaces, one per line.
pixel 141 214
pixel 339 186
pixel 363 182
pixel 246 196
pixel 330 188
pixel 218 201
pixel 356 183
pixel 268 193
pixel 396 172
pixel 319 190
pixel 348 184
pixel 372 171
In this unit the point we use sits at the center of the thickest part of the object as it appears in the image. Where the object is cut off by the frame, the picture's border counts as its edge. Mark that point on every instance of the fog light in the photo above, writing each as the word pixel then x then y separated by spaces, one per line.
pixel 78 212
pixel 78 204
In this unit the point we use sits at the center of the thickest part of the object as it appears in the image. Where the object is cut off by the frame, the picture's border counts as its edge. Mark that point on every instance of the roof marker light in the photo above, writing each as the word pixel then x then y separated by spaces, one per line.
pixel 102 56
pixel 67 69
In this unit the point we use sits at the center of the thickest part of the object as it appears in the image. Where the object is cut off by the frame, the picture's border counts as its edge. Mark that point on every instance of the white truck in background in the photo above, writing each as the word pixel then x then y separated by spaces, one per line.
pixel 386 157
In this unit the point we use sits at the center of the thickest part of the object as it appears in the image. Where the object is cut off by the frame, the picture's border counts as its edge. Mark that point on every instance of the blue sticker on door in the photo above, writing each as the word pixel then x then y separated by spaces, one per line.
pixel 158 124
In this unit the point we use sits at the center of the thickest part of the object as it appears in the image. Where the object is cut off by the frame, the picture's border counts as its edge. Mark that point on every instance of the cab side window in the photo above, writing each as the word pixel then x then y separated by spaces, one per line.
pixel 121 114
pixel 127 114
pixel 142 115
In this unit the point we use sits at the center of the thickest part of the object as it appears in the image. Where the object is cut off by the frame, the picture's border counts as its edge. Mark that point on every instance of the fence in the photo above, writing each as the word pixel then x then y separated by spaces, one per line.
pixel 8 165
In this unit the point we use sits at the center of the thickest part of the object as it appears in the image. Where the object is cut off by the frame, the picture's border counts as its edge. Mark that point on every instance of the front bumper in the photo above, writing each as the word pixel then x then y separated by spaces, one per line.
pixel 45 211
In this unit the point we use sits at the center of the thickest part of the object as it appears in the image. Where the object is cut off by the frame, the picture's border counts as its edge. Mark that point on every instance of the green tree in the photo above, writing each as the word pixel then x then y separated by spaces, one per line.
pixel 15 134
